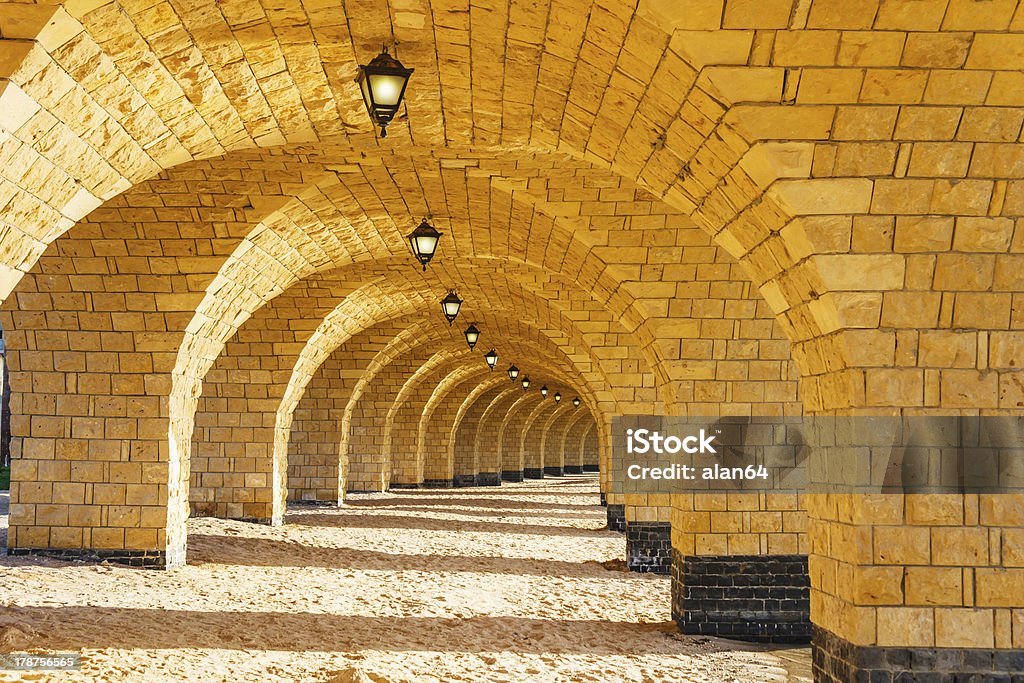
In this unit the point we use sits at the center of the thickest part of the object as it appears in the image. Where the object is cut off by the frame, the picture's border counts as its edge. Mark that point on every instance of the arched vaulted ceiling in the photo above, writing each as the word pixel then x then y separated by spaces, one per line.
pixel 705 105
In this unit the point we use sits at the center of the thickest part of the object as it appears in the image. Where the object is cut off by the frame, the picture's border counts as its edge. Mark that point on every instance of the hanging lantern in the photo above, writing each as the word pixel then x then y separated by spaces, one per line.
pixel 558 397
pixel 576 402
pixel 450 306
pixel 544 391
pixel 382 83
pixel 472 335
pixel 492 358
pixel 513 372
pixel 423 241
pixel 526 383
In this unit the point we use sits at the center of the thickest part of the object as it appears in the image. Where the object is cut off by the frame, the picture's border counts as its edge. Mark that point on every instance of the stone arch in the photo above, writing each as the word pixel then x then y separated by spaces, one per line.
pixel 466 458
pixel 510 434
pixel 487 440
pixel 530 439
pixel 552 457
pixel 572 443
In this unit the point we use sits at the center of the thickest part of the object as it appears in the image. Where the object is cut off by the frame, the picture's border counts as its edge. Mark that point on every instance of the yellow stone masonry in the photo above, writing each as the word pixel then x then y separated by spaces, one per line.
pixel 697 207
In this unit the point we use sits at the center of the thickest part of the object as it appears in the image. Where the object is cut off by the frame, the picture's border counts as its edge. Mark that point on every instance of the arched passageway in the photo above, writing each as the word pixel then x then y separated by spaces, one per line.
pixel 705 208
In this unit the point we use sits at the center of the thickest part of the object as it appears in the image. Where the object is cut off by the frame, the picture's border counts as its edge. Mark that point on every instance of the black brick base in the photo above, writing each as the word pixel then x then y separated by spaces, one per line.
pixel 438 483
pixel 649 547
pixel 835 660
pixel 488 479
pixel 763 598
pixel 573 469
pixel 591 468
pixel 320 503
pixel 616 517
pixel 533 472
pixel 464 480
pixel 553 472
pixel 151 559
pixel 511 475
pixel 404 486
pixel 604 498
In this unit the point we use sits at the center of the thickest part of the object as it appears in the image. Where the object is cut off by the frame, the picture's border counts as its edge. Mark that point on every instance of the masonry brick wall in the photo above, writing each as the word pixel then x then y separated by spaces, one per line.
pixel 321 416
pixel 820 191
pixel 488 442
pixel 573 440
pixel 467 422
pixel 530 440
pixel 511 434
pixel 551 439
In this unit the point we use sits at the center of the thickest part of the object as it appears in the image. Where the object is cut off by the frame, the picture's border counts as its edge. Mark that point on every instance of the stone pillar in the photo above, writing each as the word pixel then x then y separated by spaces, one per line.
pixel 649 547
pixel 572 442
pixel 401 434
pixel 616 516
pixel 739 566
pixel 530 444
pixel 510 437
pixel 486 442
pixel 929 586
pixel 466 456
pixel 551 441
pixel 313 447
pixel 367 436
pixel 590 451
pixel 436 421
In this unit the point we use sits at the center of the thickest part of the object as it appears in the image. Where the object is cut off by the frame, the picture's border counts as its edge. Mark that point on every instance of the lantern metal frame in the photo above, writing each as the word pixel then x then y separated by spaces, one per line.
pixel 576 402
pixel 473 332
pixel 513 372
pixel 451 299
pixel 382 65
pixel 424 229
pixel 526 382
pixel 558 397
pixel 491 358
pixel 544 391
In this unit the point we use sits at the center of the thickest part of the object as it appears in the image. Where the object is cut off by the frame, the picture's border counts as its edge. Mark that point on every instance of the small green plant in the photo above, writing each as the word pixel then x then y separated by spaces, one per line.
pixel 5 478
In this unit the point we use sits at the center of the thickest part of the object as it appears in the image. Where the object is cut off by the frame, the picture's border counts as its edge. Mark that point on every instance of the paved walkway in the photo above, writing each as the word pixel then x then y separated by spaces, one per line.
pixel 517 583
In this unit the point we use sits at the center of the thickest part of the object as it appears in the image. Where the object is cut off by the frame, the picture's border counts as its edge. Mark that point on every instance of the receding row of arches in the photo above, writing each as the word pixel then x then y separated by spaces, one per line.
pixel 713 210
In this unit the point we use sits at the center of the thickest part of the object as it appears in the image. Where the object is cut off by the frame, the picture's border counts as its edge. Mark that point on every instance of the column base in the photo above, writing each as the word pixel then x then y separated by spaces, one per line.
pixel 438 483
pixel 761 598
pixel 533 472
pixel 649 547
pixel 464 480
pixel 553 472
pixel 591 468
pixel 312 503
pixel 488 479
pixel 616 517
pixel 836 660
pixel 573 469
pixel 511 475
pixel 150 559
pixel 249 520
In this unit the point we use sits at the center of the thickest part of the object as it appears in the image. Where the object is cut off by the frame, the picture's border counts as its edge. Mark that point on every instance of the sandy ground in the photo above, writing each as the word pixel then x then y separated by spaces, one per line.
pixel 467 585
